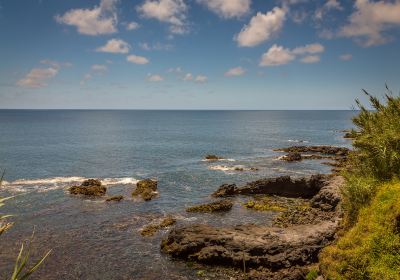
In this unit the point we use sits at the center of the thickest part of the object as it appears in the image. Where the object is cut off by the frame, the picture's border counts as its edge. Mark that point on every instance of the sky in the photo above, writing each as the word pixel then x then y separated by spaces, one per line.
pixel 196 54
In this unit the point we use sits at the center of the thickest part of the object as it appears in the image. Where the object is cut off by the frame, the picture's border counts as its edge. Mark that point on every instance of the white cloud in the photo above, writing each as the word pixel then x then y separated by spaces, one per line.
pixel 328 6
pixel 115 46
pixel 38 77
pixel 99 68
pixel 137 59
pixel 154 78
pixel 188 77
pixel 261 28
pixel 236 71
pixel 370 20
pixel 200 79
pixel 172 12
pixel 228 8
pixel 310 59
pixel 276 55
pixel 101 19
pixel 345 57
pixel 156 46
pixel 176 70
pixel 311 49
pixel 132 25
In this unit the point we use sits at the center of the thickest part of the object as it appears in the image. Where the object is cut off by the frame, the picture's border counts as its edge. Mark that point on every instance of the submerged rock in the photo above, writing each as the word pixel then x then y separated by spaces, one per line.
pixel 90 187
pixel 151 229
pixel 217 206
pixel 292 157
pixel 115 198
pixel 146 188
pixel 213 157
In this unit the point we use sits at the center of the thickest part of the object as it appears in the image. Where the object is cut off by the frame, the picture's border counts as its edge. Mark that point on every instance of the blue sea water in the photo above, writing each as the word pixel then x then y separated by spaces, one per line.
pixel 45 151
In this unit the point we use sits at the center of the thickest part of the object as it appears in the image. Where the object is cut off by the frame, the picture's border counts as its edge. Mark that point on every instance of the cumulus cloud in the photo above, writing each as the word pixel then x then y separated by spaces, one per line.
pixel 311 49
pixel 227 8
pixel 137 59
pixel 328 6
pixel 311 59
pixel 154 78
pixel 261 28
pixel 155 47
pixel 236 71
pixel 115 46
pixel 188 77
pixel 368 23
pixel 38 77
pixel 345 57
pixel 99 20
pixel 132 25
pixel 200 79
pixel 172 12
pixel 278 55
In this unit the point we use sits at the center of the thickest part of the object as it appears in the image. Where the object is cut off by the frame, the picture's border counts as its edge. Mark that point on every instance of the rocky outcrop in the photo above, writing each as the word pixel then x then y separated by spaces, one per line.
pixel 327 150
pixel 146 188
pixel 217 206
pixel 292 157
pixel 116 198
pixel 151 229
pixel 213 157
pixel 274 251
pixel 281 186
pixel 90 187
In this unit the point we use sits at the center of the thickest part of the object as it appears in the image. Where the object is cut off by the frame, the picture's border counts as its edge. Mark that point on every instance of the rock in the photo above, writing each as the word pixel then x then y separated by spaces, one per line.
pixel 146 188
pixel 329 196
pixel 90 187
pixel 151 229
pixel 115 198
pixel 212 157
pixel 285 186
pixel 327 150
pixel 225 190
pixel 292 156
pixel 217 206
pixel 273 248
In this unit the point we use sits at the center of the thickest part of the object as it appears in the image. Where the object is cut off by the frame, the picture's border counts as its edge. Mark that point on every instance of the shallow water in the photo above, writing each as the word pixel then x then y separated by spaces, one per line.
pixel 44 152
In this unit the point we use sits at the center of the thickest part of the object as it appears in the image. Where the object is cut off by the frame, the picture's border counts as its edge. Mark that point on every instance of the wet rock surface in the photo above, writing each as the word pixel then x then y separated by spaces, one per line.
pixel 90 187
pixel 327 150
pixel 217 206
pixel 292 157
pixel 116 198
pixel 282 251
pixel 281 186
pixel 213 157
pixel 151 229
pixel 146 188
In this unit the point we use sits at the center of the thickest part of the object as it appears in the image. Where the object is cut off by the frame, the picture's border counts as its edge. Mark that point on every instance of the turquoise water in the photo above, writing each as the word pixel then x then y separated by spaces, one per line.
pixel 44 152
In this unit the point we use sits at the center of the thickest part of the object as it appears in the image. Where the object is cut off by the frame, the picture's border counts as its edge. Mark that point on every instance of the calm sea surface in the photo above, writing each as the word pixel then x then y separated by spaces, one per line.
pixel 44 152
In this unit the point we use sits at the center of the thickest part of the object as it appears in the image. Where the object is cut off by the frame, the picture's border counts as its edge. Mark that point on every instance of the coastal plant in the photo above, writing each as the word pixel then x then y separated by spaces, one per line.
pixel 21 271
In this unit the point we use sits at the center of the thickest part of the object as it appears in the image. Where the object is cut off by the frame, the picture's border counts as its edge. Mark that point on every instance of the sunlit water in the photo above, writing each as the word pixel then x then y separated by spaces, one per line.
pixel 44 152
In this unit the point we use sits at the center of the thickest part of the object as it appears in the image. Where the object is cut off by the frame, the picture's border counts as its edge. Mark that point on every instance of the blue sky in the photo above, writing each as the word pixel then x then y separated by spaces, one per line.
pixel 196 54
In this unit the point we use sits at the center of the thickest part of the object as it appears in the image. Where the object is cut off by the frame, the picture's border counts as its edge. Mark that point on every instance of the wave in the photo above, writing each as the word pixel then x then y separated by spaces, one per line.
pixel 231 168
pixel 222 159
pixel 297 141
pixel 55 183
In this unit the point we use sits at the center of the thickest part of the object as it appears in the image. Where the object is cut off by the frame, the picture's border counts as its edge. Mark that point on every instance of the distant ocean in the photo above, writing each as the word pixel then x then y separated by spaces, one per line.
pixel 45 151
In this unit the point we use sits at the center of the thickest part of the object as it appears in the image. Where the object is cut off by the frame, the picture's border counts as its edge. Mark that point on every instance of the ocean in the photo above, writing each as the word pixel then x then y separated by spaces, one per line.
pixel 43 152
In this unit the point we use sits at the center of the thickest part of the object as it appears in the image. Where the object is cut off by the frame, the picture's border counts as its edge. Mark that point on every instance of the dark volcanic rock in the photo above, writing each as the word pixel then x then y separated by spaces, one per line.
pixel 327 150
pixel 292 156
pixel 285 186
pixel 212 157
pixel 225 190
pixel 151 229
pixel 146 188
pixel 115 198
pixel 217 206
pixel 90 187
pixel 273 248
pixel 329 196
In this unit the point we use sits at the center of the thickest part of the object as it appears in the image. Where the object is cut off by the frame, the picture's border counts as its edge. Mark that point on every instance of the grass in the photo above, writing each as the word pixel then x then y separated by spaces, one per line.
pixel 369 247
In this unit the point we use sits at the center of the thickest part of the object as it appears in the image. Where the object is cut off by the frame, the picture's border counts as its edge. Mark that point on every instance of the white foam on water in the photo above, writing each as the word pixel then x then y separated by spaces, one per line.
pixel 231 168
pixel 297 141
pixel 55 183
pixel 222 159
